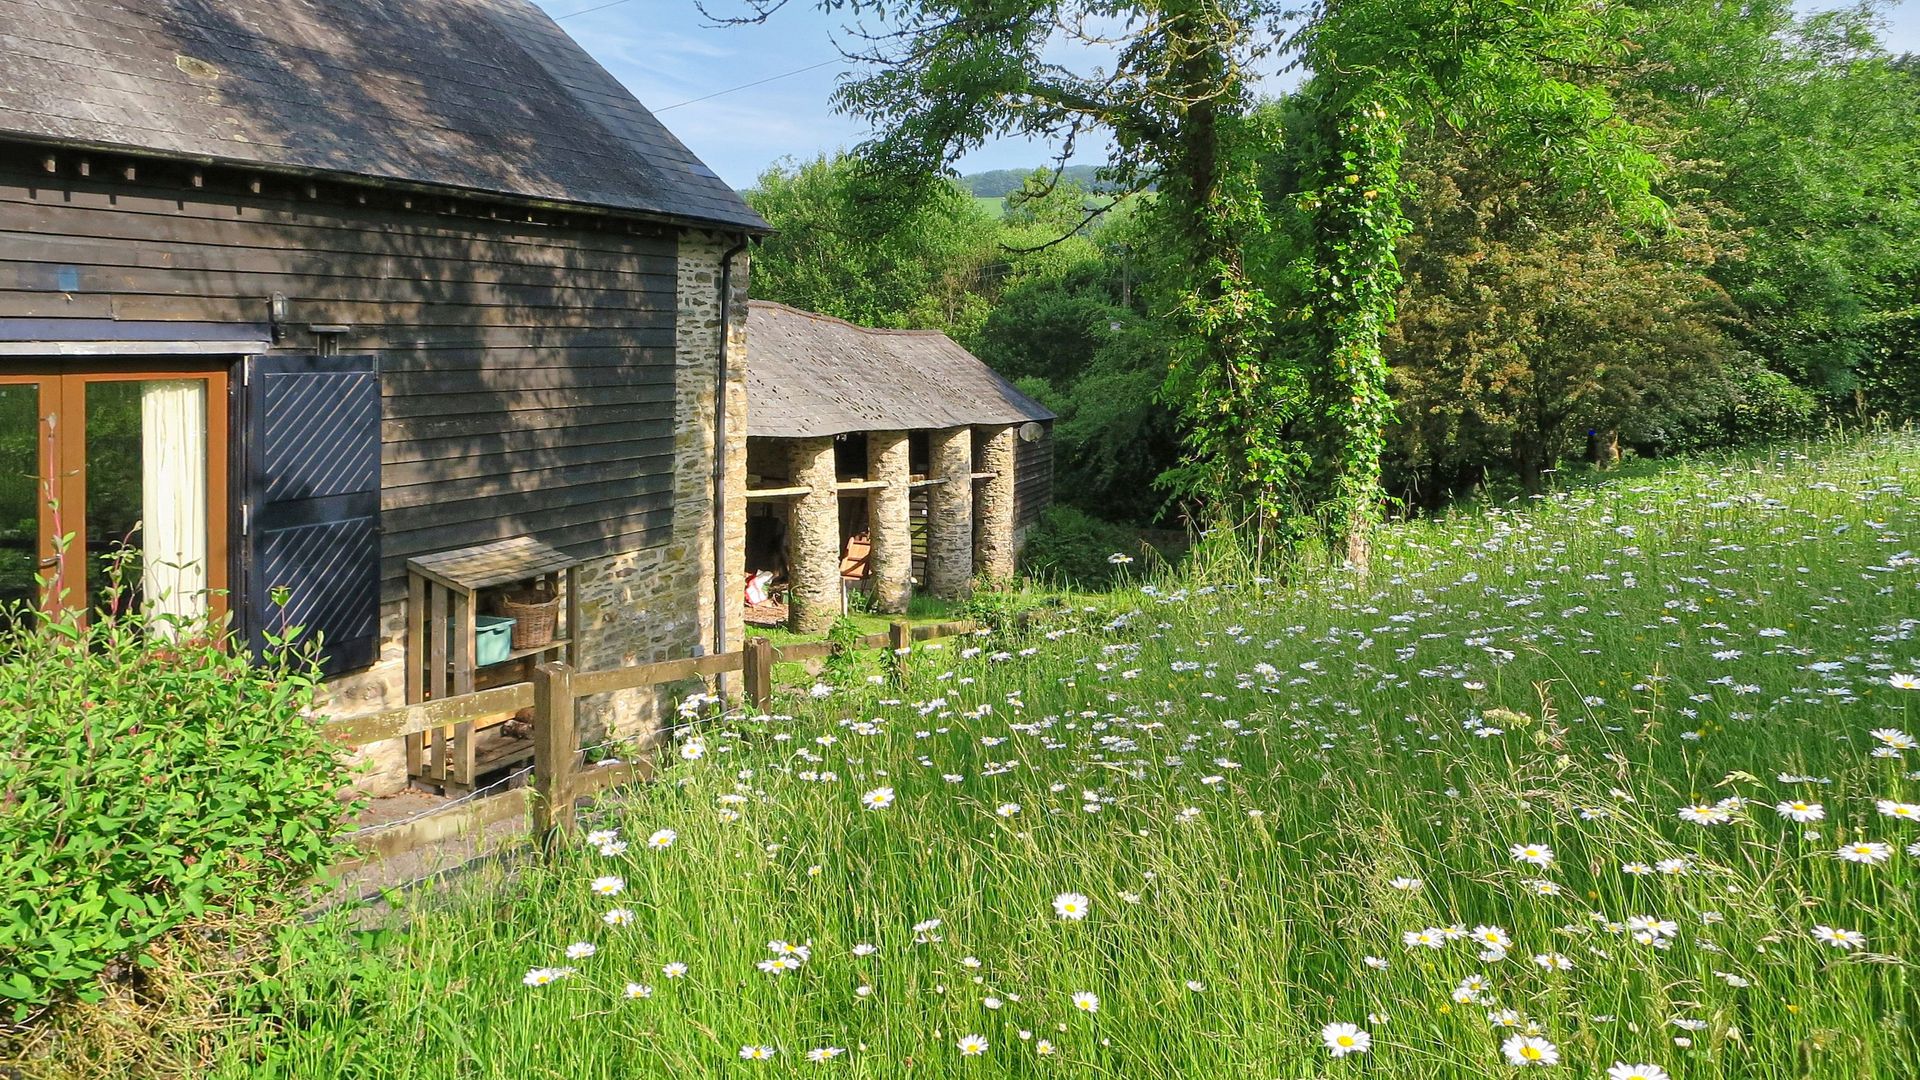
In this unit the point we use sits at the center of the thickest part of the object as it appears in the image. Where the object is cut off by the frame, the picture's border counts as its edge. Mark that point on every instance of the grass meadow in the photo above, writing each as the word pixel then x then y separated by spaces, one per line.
pixel 1616 783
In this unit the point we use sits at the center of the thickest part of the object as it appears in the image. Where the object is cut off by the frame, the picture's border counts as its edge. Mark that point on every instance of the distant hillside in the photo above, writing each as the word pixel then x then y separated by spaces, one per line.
pixel 999 183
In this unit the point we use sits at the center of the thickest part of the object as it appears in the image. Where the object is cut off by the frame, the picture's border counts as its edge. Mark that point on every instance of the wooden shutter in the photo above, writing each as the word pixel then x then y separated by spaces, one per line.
pixel 312 516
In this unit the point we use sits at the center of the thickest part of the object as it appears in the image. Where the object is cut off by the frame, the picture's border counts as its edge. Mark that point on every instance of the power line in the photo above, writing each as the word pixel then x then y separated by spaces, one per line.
pixel 716 93
pixel 591 10
pixel 756 82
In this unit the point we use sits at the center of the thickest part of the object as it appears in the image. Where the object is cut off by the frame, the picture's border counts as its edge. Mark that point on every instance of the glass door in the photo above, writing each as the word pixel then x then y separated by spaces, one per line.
pixel 128 489
pixel 23 498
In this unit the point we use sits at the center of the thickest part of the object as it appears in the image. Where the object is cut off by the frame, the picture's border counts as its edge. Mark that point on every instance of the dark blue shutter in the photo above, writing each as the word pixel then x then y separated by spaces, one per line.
pixel 312 449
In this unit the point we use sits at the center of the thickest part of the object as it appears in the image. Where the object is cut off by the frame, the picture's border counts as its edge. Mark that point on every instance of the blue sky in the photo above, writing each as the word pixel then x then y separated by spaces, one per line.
pixel 668 54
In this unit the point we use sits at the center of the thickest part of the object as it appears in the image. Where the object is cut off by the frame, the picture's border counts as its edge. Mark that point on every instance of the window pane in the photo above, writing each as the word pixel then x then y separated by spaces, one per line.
pixel 146 495
pixel 20 496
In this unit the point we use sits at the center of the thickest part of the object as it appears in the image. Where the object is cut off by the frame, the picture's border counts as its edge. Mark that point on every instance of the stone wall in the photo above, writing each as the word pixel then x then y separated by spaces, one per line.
pixel 638 606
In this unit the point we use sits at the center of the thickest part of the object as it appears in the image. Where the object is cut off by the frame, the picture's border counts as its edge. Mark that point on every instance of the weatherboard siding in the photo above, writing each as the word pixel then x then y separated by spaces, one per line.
pixel 1032 480
pixel 527 370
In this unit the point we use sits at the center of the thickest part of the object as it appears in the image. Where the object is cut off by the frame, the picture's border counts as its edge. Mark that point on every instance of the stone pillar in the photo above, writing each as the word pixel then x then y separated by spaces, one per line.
pixel 889 523
pixel 950 513
pixel 813 537
pixel 993 529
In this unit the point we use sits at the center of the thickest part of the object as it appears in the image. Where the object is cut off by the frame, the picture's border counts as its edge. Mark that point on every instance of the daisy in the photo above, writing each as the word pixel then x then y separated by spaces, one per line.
pixel 675 970
pixel 972 1045
pixel 1553 962
pixel 662 839
pixel 1405 884
pixel 1007 809
pixel 865 949
pixel 1901 811
pixel 1706 814
pixel 544 976
pixel 1344 1039
pixel 1070 906
pixel 1526 1050
pixel 617 917
pixel 1423 939
pixel 877 799
pixel 1895 738
pixel 1839 939
pixel 1904 682
pixel 823 1054
pixel 1637 869
pixel 1801 811
pixel 756 1053
pixel 1866 852
pixel 1492 937
pixel 1043 1048
pixel 607 886
pixel 1622 1071
pixel 1086 1001
pixel 1536 854
pixel 580 950
pixel 637 991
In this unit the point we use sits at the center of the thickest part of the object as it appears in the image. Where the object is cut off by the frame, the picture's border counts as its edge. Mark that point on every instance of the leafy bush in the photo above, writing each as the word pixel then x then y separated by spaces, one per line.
pixel 1768 405
pixel 149 778
pixel 1073 547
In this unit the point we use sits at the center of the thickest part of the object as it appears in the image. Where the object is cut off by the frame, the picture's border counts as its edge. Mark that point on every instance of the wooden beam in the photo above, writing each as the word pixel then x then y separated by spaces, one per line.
pixel 555 746
pixel 429 715
pixel 666 671
pixel 778 493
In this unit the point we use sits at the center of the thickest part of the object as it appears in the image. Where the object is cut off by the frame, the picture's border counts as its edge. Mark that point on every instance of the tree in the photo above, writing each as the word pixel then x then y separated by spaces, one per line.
pixel 1501 74
pixel 1170 89
pixel 1528 319
pixel 834 254
pixel 1804 134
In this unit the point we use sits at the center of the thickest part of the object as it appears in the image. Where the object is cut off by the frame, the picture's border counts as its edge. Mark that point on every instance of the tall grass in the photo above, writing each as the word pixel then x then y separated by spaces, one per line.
pixel 1260 789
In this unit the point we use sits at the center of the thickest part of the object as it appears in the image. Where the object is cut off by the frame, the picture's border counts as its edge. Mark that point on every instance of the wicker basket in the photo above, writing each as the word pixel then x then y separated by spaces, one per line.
pixel 535 611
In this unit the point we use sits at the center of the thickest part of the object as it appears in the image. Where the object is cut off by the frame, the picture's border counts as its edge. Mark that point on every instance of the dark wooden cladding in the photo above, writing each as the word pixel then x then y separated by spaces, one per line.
pixel 527 369
pixel 1032 479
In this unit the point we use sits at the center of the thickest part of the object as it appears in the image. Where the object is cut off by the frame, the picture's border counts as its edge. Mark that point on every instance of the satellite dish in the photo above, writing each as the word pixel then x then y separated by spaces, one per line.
pixel 1031 431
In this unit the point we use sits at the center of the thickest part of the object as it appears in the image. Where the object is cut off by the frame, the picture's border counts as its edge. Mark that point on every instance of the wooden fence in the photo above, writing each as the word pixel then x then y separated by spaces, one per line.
pixel 559 779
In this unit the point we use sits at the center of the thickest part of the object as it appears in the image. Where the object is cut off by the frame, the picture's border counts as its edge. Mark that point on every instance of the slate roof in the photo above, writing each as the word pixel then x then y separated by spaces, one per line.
pixel 812 375
pixel 484 95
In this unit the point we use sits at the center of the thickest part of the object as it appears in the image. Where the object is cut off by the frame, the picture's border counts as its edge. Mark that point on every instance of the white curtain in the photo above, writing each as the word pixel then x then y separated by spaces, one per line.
pixel 173 496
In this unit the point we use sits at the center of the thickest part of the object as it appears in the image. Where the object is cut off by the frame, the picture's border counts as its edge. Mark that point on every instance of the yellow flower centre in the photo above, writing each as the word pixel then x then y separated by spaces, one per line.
pixel 1531 1053
pixel 1346 1040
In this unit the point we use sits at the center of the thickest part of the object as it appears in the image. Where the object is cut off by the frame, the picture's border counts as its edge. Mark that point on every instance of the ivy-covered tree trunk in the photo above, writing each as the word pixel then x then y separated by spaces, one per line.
pixel 1356 218
pixel 1234 398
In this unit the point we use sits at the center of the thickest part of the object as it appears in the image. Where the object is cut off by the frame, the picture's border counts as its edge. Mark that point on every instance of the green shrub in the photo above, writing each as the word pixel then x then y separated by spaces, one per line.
pixel 1074 548
pixel 147 781
pixel 1768 405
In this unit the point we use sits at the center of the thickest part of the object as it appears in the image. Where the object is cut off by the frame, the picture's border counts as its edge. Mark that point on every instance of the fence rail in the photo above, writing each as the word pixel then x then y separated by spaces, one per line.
pixel 558 777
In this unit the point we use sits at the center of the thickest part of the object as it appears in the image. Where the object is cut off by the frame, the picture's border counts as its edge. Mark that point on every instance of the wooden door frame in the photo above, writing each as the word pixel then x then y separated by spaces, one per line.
pixel 63 398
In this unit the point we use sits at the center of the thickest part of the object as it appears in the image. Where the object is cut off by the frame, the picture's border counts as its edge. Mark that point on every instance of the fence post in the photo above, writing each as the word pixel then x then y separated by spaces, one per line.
pixel 758 672
pixel 555 745
pixel 899 635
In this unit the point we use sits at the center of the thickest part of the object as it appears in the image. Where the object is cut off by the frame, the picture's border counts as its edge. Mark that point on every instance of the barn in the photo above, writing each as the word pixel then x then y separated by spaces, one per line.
pixel 407 314
pixel 882 459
